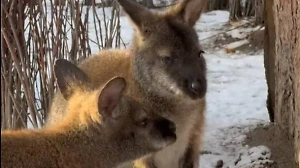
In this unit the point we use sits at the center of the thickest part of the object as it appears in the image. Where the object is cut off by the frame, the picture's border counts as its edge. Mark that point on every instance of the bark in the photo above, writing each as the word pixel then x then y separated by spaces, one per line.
pixel 89 2
pixel 13 119
pixel 235 10
pixel 282 62
pixel 269 62
pixel 218 5
pixel 259 12
pixel 59 2
pixel 249 8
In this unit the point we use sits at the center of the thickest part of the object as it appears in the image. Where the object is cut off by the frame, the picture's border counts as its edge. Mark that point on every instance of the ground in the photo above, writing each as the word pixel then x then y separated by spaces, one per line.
pixel 238 133
pixel 280 147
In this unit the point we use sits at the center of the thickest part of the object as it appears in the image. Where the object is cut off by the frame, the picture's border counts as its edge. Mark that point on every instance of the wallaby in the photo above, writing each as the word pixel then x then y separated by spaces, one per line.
pixel 102 128
pixel 166 68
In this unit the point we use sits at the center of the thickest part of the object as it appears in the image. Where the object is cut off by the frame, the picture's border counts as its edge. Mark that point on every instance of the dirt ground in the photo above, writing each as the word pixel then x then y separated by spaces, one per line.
pixel 281 149
pixel 255 45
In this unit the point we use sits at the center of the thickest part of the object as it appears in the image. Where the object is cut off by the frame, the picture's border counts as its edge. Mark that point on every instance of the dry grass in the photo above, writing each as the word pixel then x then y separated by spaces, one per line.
pixel 32 38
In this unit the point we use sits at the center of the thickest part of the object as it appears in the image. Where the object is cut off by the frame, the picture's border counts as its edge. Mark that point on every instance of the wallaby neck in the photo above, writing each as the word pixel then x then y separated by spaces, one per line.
pixel 93 147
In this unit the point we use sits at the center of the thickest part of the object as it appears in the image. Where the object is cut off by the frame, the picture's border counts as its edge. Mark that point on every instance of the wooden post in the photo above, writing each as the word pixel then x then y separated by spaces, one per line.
pixel 282 63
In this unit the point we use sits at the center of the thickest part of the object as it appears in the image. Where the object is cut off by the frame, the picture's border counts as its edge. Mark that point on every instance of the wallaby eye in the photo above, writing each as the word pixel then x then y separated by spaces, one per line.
pixel 143 123
pixel 200 53
pixel 166 60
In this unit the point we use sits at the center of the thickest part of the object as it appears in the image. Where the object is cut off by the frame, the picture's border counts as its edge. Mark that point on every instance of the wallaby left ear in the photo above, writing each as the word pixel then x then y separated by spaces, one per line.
pixel 138 14
pixel 189 10
pixel 69 77
pixel 110 96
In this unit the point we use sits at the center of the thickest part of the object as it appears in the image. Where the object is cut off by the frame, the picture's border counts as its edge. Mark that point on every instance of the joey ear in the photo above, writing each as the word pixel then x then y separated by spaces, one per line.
pixel 110 96
pixel 189 10
pixel 69 77
pixel 137 13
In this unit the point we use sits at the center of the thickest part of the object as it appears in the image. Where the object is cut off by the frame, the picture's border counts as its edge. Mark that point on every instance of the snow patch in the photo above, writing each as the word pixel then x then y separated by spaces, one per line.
pixel 237 34
pixel 236 44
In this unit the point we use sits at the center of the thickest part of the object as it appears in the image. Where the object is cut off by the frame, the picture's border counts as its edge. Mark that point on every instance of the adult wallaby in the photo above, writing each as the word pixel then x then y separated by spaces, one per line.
pixel 102 128
pixel 166 68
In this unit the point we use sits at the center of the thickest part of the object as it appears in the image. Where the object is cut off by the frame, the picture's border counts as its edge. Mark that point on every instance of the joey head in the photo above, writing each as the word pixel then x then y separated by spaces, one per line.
pixel 123 117
pixel 101 128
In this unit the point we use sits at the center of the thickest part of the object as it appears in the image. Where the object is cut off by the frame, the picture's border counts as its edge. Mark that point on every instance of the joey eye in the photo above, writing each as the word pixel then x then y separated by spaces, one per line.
pixel 143 123
pixel 167 60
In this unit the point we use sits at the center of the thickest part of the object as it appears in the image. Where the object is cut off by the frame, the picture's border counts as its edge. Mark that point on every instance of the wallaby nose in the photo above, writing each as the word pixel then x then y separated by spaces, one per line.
pixel 167 127
pixel 195 86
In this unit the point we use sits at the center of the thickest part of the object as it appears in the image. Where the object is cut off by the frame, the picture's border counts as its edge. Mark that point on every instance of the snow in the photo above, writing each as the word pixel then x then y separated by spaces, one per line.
pixel 235 99
pixel 237 44
pixel 211 23
pixel 235 104
pixel 238 34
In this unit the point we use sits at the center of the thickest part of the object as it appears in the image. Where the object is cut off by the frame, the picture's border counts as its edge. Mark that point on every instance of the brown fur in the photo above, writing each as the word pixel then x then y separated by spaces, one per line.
pixel 164 62
pixel 100 129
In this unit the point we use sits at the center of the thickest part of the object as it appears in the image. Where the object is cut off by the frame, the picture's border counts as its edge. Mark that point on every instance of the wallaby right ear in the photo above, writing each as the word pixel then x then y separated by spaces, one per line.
pixel 137 13
pixel 110 96
pixel 189 10
pixel 69 77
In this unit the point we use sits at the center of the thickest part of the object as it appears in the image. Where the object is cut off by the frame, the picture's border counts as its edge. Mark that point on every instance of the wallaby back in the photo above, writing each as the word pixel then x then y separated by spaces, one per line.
pixel 166 68
pixel 101 128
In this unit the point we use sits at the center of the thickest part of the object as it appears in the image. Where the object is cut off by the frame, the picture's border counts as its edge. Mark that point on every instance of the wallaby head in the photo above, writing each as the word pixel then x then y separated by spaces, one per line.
pixel 106 108
pixel 167 55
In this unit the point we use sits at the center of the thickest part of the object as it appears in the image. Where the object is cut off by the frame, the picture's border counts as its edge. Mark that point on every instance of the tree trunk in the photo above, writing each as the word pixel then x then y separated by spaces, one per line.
pixel 59 2
pixel 269 62
pixel 259 12
pixel 249 8
pixel 282 63
pixel 218 5
pixel 89 2
pixel 235 9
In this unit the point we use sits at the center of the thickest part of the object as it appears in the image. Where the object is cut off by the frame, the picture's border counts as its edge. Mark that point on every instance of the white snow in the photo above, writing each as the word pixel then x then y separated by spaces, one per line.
pixel 236 100
pixel 211 23
pixel 235 33
pixel 236 44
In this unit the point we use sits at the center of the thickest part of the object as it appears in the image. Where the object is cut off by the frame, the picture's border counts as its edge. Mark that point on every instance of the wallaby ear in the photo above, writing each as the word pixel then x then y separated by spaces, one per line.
pixel 189 10
pixel 69 77
pixel 110 96
pixel 136 12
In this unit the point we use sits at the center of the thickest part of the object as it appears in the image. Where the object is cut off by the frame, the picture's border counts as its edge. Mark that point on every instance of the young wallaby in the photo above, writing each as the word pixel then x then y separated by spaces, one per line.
pixel 102 128
pixel 166 68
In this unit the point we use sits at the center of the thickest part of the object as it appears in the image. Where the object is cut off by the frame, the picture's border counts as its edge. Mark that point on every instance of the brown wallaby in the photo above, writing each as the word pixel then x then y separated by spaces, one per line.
pixel 102 128
pixel 166 68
